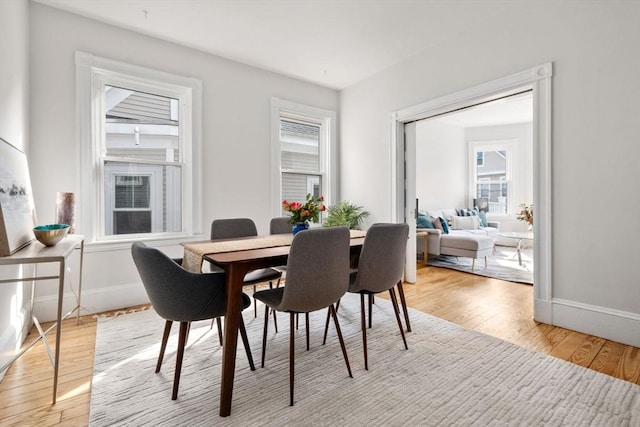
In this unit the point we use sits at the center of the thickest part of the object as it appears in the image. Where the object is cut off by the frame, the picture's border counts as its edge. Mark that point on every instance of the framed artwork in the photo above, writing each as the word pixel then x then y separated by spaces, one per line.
pixel 17 213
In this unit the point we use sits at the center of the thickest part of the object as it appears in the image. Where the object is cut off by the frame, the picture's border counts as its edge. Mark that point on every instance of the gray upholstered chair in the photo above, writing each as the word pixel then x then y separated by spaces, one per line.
pixel 280 225
pixel 231 228
pixel 380 269
pixel 181 296
pixel 317 276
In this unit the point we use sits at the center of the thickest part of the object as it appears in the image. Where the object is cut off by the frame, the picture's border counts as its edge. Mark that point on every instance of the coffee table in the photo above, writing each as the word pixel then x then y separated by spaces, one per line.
pixel 520 236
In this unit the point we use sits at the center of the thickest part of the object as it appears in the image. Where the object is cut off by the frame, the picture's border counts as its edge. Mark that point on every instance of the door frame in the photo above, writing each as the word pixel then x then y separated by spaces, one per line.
pixel 538 79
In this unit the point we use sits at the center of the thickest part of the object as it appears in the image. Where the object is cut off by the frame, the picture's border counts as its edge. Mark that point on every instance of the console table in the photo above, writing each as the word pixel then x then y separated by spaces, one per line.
pixel 37 253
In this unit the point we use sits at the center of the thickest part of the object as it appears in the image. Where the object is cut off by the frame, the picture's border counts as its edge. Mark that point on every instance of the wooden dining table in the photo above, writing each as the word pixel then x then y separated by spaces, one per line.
pixel 237 257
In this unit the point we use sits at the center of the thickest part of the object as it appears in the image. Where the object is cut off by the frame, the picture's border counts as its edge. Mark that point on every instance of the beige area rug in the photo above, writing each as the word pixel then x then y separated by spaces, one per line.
pixel 503 264
pixel 449 377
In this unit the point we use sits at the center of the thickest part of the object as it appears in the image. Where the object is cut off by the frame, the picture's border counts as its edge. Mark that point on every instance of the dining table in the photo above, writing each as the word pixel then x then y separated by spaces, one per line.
pixel 237 257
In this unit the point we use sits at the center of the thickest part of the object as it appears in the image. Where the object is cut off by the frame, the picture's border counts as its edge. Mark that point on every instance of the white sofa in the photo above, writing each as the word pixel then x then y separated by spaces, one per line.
pixel 465 235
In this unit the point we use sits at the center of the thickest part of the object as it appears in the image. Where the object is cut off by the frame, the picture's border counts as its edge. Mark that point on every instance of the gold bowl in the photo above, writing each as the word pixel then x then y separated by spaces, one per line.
pixel 51 234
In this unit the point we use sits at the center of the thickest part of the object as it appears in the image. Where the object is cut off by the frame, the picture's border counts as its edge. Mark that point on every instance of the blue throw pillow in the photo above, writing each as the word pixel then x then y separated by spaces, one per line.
pixel 483 218
pixel 424 222
pixel 445 226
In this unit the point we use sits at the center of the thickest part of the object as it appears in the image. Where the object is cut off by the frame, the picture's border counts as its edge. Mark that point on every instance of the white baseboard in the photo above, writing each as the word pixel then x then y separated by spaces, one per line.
pixel 92 301
pixel 614 325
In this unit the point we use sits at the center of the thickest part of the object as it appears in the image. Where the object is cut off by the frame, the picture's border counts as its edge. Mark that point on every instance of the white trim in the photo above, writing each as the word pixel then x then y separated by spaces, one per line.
pixel 538 79
pixel 90 71
pixel 96 300
pixel 328 156
pixel 615 325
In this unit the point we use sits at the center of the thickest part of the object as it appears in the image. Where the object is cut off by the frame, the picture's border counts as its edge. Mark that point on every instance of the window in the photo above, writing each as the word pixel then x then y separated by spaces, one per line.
pixel 492 174
pixel 303 140
pixel 142 133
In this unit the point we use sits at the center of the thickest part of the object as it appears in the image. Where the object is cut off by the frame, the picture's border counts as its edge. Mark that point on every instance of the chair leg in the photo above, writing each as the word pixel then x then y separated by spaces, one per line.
pixel 264 333
pixel 326 325
pixel 370 310
pixel 292 346
pixel 182 339
pixel 275 319
pixel 394 300
pixel 344 349
pixel 404 305
pixel 245 342
pixel 485 262
pixel 219 322
pixel 255 304
pixel 163 346
pixel 363 326
pixel 306 326
pixel 473 263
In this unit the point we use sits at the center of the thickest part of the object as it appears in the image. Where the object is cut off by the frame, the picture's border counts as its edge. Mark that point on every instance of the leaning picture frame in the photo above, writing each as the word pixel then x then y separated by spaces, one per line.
pixel 17 212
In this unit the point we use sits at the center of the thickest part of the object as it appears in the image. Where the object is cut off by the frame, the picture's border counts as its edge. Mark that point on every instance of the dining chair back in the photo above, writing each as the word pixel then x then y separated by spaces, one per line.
pixel 181 296
pixel 280 225
pixel 231 228
pixel 380 269
pixel 317 276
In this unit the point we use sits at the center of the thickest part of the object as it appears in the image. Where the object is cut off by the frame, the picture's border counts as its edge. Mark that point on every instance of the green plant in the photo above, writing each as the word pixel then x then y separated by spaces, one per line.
pixel 345 213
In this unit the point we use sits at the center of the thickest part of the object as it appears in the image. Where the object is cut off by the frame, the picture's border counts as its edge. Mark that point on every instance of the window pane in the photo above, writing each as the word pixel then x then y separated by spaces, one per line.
pixel 132 222
pixel 142 198
pixel 492 181
pixel 300 144
pixel 295 187
pixel 140 125
pixel 132 191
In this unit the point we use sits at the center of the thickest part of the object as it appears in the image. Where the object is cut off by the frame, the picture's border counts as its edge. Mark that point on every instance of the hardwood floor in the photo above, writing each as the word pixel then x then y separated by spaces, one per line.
pixel 498 308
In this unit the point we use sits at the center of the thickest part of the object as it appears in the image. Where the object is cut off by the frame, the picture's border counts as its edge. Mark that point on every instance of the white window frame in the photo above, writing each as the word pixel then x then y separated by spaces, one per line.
pixel 328 165
pixel 91 74
pixel 510 146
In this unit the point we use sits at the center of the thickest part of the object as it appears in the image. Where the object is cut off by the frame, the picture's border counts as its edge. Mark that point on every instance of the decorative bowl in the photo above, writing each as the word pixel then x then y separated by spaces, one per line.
pixel 51 234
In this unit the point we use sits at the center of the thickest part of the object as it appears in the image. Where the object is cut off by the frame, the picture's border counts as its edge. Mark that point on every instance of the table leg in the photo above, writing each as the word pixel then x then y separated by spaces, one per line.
pixel 520 245
pixel 56 364
pixel 235 275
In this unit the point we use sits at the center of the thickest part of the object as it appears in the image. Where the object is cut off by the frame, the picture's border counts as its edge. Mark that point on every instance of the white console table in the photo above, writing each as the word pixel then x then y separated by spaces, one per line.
pixel 37 253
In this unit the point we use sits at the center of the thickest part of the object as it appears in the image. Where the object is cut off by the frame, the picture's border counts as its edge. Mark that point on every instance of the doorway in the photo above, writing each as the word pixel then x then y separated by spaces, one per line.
pixel 538 81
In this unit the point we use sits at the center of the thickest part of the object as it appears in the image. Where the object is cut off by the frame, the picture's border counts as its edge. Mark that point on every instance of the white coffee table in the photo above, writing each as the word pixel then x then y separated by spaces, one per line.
pixel 520 236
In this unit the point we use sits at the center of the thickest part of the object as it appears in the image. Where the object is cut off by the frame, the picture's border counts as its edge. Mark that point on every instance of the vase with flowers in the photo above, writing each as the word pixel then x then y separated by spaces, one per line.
pixel 302 213
pixel 526 215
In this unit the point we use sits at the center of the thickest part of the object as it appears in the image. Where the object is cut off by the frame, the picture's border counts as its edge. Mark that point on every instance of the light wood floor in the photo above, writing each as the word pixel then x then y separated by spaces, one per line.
pixel 498 308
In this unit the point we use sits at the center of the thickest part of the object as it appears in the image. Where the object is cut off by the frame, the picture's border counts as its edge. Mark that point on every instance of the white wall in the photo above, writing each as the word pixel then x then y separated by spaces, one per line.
pixel 236 132
pixel 14 128
pixel 441 165
pixel 595 146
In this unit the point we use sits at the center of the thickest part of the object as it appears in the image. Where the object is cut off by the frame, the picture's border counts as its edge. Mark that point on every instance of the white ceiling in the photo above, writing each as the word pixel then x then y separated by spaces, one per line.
pixel 333 43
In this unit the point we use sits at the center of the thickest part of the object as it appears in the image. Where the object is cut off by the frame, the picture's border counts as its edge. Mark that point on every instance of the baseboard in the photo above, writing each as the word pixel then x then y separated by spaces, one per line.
pixel 92 301
pixel 614 325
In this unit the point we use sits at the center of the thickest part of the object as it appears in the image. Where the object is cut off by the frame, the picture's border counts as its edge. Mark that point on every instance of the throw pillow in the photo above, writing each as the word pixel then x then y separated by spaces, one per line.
pixel 483 218
pixel 465 222
pixel 424 222
pixel 437 224
pixel 445 226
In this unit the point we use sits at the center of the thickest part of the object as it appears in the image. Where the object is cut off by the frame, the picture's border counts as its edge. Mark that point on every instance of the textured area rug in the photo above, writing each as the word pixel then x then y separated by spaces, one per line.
pixel 502 264
pixel 449 377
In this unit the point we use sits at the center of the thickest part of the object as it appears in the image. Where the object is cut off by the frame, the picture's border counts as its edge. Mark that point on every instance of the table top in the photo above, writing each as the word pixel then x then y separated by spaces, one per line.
pixel 36 252
pixel 517 234
pixel 244 249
